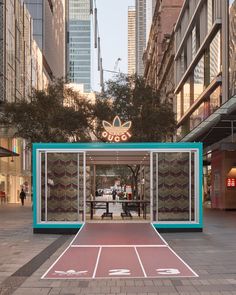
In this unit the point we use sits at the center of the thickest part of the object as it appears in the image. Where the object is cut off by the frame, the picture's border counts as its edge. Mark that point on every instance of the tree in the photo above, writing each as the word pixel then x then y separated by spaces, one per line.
pixel 131 99
pixel 57 114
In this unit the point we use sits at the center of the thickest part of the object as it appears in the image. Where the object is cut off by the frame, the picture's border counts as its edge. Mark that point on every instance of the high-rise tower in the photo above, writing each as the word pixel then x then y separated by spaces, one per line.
pixel 131 39
pixel 79 43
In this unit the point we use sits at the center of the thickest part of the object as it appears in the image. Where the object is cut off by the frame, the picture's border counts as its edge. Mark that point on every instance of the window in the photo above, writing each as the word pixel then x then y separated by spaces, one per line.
pixel 215 100
pixel 215 56
pixel 198 79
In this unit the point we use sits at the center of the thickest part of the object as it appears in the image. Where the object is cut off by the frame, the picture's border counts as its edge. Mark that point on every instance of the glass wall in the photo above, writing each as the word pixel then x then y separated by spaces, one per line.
pixel 174 186
pixel 62 187
pixel 232 48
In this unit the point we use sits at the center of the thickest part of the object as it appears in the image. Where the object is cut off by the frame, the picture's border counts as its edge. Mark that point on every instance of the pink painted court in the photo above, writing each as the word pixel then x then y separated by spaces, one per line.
pixel 118 250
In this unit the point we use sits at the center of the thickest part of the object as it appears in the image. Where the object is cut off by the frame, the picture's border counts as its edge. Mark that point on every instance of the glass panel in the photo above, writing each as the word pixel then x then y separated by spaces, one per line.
pixel 197 116
pixel 178 106
pixel 186 96
pixel 209 14
pixel 215 57
pixel 173 186
pixel 62 187
pixel 215 100
pixel 199 78
pixel 42 186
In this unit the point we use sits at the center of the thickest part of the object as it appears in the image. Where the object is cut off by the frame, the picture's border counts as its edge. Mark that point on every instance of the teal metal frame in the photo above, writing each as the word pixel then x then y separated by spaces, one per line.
pixel 113 146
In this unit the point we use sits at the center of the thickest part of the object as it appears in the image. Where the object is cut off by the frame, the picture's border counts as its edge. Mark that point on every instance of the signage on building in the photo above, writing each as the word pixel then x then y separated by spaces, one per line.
pixel 231 182
pixel 116 132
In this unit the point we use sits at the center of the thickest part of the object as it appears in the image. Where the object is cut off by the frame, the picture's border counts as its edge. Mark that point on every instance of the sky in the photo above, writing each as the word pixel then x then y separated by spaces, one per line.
pixel 113 31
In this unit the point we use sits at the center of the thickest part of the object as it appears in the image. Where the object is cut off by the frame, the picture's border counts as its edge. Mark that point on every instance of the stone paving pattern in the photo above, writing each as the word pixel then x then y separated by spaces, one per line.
pixel 212 254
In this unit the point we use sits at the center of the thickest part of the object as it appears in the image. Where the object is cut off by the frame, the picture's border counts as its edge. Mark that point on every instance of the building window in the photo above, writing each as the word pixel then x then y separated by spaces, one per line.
pixel 215 100
pixel 198 79
pixel 215 56
pixel 178 107
pixel 186 96
pixel 209 14
pixel 197 116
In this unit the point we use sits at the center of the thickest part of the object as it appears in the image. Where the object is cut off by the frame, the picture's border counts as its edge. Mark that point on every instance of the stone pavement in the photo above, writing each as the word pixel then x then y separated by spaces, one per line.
pixel 24 257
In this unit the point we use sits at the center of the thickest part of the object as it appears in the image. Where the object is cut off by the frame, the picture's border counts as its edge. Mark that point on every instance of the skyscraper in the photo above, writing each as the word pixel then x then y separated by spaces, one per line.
pixel 49 33
pixel 79 43
pixel 131 39
pixel 140 34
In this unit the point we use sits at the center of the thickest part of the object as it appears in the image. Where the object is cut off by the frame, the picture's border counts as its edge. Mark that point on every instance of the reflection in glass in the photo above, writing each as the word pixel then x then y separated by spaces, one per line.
pixel 198 79
pixel 215 100
pixel 186 95
pixel 215 57
pixel 178 105
pixel 197 116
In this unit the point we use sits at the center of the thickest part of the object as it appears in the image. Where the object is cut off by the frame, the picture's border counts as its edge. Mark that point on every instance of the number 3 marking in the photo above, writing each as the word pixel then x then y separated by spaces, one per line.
pixel 168 271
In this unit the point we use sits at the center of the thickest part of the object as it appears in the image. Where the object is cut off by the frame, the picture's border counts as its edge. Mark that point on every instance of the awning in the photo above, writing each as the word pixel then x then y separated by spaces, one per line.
pixel 7 153
pixel 218 126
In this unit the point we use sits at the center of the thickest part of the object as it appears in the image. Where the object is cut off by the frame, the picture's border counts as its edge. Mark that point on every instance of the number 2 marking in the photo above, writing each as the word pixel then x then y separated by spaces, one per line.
pixel 168 271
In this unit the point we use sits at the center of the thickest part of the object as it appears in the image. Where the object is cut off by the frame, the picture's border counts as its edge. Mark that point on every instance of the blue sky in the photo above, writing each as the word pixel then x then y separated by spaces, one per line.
pixel 113 30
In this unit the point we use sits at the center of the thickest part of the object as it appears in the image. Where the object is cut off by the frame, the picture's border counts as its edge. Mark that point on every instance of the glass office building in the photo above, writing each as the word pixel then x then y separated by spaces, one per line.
pixel 79 43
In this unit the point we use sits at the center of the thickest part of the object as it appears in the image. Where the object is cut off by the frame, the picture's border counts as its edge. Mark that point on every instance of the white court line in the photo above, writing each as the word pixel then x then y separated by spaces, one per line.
pixel 183 262
pixel 117 246
pixel 96 265
pixel 164 241
pixel 43 276
pixel 140 262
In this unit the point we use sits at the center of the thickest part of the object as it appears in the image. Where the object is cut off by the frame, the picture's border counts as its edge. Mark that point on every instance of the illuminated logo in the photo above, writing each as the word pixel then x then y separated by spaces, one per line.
pixel 116 131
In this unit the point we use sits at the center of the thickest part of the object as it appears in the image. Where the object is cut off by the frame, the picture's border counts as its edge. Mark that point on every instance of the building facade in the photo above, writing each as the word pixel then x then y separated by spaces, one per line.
pixel 159 54
pixel 131 40
pixel 15 85
pixel 48 17
pixel 79 43
pixel 205 89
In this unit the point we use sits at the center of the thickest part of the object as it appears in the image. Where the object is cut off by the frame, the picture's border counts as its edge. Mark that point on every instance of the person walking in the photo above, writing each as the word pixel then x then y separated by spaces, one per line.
pixel 22 197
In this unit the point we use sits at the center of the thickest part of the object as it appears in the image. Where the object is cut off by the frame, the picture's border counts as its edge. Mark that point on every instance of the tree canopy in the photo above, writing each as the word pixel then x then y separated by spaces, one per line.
pixel 60 114
pixel 133 100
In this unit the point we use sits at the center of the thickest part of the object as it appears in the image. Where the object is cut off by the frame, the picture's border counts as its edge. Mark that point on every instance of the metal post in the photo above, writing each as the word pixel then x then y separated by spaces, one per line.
pixel 190 186
pixel 78 187
pixel 84 183
pixel 151 186
pixel 46 187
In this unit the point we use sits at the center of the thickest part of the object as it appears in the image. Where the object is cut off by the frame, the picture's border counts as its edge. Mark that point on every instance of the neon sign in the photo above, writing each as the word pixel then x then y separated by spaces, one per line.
pixel 116 131
pixel 231 182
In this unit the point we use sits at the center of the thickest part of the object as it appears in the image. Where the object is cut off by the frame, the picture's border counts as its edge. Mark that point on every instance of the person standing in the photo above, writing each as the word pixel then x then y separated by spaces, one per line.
pixel 22 197
pixel 114 194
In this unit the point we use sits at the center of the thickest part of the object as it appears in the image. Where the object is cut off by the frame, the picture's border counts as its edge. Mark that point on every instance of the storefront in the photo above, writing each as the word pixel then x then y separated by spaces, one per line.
pixel 64 184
